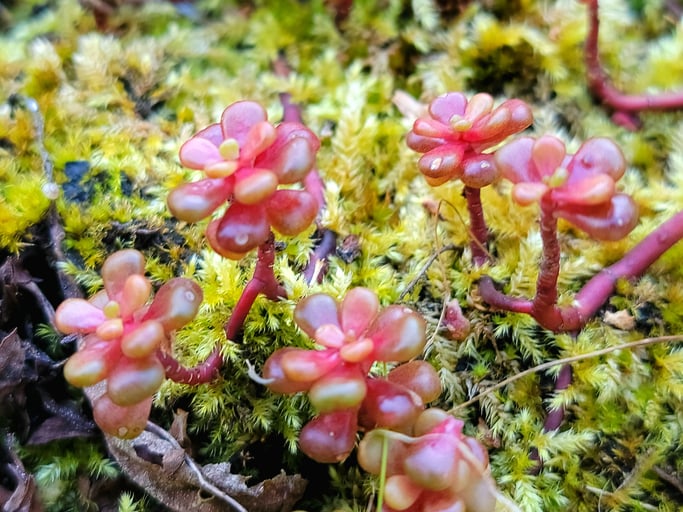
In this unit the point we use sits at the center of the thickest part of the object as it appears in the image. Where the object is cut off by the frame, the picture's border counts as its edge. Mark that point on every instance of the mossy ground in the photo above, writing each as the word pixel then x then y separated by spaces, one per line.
pixel 125 99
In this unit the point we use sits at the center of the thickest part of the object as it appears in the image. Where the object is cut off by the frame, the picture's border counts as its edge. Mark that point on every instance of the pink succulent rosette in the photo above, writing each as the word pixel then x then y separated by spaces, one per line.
pixel 579 188
pixel 246 159
pixel 457 132
pixel 123 331
pixel 439 468
pixel 352 335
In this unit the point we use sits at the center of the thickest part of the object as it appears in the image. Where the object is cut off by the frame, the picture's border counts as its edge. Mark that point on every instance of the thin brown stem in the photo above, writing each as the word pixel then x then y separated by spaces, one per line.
pixel 565 361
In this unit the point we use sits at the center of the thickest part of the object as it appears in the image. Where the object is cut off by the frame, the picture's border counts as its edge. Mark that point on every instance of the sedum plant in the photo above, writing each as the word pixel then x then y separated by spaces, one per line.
pixel 245 160
pixel 352 335
pixel 435 468
pixel 580 188
pixel 124 332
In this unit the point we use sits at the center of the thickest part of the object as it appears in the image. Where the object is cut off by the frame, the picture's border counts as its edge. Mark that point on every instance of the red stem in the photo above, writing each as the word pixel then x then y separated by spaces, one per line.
pixel 262 282
pixel 626 105
pixel 543 307
pixel 499 300
pixel 478 228
pixel 595 292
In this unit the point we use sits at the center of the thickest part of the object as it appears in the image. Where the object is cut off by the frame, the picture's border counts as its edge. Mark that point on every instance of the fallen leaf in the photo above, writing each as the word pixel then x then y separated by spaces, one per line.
pixel 22 496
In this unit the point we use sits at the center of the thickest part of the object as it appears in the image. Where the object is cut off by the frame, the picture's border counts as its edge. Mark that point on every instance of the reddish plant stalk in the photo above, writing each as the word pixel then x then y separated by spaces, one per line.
pixel 595 292
pixel 262 282
pixel 478 228
pixel 625 105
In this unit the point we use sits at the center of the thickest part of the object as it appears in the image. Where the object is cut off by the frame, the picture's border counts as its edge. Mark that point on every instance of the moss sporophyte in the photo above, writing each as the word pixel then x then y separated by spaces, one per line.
pixel 368 354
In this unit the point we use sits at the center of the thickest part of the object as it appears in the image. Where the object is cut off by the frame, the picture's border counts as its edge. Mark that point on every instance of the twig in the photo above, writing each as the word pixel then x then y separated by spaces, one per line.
pixel 203 483
pixel 670 479
pixel 567 360
pixel 425 267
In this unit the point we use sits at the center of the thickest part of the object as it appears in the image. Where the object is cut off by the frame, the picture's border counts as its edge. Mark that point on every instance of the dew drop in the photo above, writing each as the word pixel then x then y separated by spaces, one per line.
pixel 242 239
pixel 50 190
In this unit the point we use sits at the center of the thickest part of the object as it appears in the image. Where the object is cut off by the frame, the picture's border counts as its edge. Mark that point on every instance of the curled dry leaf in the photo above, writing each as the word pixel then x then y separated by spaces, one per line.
pixel 22 496
pixel 177 482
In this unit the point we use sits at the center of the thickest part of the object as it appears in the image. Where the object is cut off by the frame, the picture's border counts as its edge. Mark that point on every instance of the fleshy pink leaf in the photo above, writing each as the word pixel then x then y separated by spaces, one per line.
pixel 78 316
pixel 448 105
pixel 514 161
pixel 293 161
pixel 314 311
pixel 238 119
pixel 198 153
pixel 342 388
pixel 329 438
pixel 118 267
pixel 478 171
pixel 175 304
pixel 358 309
pixel 241 229
pixel 547 155
pixel 123 422
pixel 275 374
pixel 597 156
pixel 192 202
pixel 398 333
pixel 442 163
pixel 253 186
pixel 432 462
pixel 388 405
pixel 610 221
pixel 291 211
pixel 419 377
pixel 134 380
pixel 592 190
pixel 309 365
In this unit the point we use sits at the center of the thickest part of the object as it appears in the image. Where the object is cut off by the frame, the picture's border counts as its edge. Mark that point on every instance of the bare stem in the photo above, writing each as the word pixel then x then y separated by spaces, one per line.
pixel 625 105
pixel 595 292
pixel 263 282
pixel 478 227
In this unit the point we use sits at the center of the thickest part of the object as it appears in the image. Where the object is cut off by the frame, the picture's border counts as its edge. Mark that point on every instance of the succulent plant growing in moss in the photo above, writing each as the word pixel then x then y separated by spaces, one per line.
pixel 353 334
pixel 246 159
pixel 119 100
pixel 123 333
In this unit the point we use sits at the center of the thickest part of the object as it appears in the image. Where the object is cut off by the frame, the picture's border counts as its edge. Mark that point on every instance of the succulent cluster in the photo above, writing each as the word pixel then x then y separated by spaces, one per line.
pixel 456 132
pixel 580 188
pixel 438 468
pixel 246 160
pixel 353 334
pixel 123 332
pixel 261 171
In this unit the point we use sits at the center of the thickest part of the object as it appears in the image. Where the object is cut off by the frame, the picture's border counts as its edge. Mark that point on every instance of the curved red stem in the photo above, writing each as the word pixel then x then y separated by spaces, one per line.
pixel 625 105
pixel 262 282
